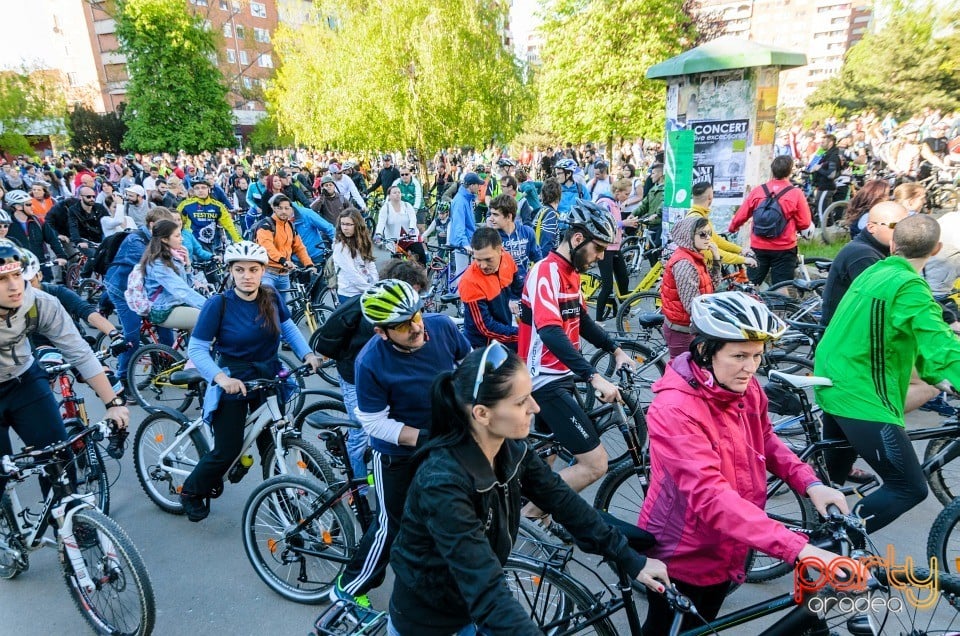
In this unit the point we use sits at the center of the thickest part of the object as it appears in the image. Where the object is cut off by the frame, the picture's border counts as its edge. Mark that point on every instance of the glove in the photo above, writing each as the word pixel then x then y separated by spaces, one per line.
pixel 117 444
pixel 807 233
pixel 118 344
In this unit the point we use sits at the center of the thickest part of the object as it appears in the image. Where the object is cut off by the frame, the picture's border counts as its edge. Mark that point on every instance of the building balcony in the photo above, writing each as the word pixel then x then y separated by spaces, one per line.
pixel 102 27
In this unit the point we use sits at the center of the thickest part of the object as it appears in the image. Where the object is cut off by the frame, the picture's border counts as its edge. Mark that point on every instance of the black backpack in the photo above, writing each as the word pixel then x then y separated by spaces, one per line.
pixel 769 221
pixel 107 251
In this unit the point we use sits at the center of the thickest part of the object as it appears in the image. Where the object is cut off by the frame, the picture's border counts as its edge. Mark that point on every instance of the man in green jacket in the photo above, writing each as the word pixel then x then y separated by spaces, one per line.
pixel 887 324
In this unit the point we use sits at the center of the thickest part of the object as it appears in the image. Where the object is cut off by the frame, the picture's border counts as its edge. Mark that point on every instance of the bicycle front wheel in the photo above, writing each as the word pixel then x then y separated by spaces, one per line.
pixel 944 540
pixel 830 228
pixel 118 596
pixel 793 511
pixel 92 474
pixel 920 602
pixel 622 491
pixel 944 481
pixel 645 302
pixel 162 463
pixel 302 566
pixel 148 378
pixel 555 601
pixel 298 458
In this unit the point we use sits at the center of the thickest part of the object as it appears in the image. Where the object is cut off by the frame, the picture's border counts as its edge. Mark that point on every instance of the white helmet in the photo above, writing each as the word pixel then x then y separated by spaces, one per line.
pixel 245 251
pixel 734 316
pixel 33 265
pixel 17 197
pixel 4 217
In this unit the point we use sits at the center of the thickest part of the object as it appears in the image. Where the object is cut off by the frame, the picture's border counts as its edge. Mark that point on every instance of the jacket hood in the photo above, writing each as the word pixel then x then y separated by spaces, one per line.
pixel 682 232
pixel 687 377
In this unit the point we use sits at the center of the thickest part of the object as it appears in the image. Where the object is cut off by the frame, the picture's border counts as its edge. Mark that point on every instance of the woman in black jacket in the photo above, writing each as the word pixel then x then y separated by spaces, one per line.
pixel 463 507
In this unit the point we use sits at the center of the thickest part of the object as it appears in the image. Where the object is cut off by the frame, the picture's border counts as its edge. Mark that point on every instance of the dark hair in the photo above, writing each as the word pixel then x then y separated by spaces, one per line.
pixel 485 237
pixel 521 175
pixel 551 191
pixel 782 166
pixel 509 181
pixel 699 189
pixel 267 314
pixel 871 193
pixel 505 204
pixel 156 248
pixel 108 201
pixel 702 350
pixel 408 271
pixel 916 236
pixel 452 395
pixel 360 242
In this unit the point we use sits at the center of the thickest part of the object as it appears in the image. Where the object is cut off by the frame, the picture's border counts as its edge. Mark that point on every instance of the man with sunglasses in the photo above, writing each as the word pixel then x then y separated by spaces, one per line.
pixel 405 355
pixel 84 224
pixel 412 192
pixel 553 317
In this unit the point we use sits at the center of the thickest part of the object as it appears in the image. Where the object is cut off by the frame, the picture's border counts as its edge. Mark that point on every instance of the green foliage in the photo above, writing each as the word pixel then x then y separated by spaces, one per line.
pixel 27 97
pixel 399 74
pixel 176 99
pixel 596 54
pixel 93 133
pixel 914 61
pixel 266 136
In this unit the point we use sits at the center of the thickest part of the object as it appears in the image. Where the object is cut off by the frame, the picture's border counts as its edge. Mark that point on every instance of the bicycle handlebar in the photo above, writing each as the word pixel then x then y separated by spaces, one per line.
pixel 282 374
pixel 30 460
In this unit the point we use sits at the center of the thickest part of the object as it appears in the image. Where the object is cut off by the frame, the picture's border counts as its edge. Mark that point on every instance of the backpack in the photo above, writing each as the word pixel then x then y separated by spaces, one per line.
pixel 769 220
pixel 107 251
pixel 136 293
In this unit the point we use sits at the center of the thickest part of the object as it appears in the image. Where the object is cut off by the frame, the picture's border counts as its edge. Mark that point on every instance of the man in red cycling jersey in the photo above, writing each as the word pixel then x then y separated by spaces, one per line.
pixel 552 319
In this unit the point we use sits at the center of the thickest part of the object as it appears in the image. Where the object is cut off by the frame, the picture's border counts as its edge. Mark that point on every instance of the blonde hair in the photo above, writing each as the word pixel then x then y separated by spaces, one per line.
pixel 622 185
pixel 907 191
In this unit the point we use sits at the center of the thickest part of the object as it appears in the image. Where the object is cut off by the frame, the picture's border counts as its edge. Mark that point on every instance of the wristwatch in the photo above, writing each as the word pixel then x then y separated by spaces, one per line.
pixel 117 401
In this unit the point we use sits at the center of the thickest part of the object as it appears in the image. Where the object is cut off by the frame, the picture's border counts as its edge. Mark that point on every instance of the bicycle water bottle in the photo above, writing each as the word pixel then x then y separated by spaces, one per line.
pixel 240 469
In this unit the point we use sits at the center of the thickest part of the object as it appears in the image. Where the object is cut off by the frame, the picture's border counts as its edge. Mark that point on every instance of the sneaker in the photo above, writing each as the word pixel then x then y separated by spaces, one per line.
pixel 939 405
pixel 196 508
pixel 362 608
pixel 860 476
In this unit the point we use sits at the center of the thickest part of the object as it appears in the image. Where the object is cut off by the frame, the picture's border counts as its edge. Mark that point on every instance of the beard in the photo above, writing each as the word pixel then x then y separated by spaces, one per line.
pixel 580 261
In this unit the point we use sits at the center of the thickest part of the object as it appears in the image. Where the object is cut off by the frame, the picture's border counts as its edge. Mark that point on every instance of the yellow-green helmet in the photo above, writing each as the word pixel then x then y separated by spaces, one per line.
pixel 390 302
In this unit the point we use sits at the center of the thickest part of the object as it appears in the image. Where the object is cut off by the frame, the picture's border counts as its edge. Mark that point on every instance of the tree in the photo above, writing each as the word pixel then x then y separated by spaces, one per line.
pixel 176 99
pixel 913 62
pixel 266 136
pixel 29 98
pixel 596 54
pixel 399 74
pixel 93 133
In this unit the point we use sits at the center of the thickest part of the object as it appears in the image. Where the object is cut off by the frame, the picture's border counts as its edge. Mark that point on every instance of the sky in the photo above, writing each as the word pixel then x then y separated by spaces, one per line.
pixel 522 21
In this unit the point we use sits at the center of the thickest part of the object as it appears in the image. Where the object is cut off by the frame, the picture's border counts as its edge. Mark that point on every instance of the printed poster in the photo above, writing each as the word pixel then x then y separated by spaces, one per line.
pixel 720 157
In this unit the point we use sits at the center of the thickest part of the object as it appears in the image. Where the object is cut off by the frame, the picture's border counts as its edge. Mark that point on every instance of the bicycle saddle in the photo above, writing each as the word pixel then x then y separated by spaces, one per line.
pixel 800 381
pixel 449 298
pixel 649 319
pixel 190 377
pixel 809 285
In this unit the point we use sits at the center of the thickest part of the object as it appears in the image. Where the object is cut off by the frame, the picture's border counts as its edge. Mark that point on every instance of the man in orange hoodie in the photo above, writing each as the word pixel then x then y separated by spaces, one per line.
pixel 485 289
pixel 277 235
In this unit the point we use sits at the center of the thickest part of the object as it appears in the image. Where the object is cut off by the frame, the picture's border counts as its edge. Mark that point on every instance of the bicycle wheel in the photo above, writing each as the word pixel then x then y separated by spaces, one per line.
pixel 645 302
pixel 300 459
pixel 622 491
pixel 90 290
pixel 945 197
pixel 919 602
pixel 328 369
pixel 300 567
pixel 651 364
pixel 148 378
pixel 944 481
pixel 944 539
pixel 632 252
pixel 555 601
pixel 118 597
pixel 92 474
pixel 156 436
pixel 792 510
pixel 533 540
pixel 14 557
pixel 830 228
pixel 295 400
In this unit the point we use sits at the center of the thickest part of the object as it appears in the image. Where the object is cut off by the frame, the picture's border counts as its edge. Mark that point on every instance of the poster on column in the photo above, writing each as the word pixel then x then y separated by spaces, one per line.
pixel 720 157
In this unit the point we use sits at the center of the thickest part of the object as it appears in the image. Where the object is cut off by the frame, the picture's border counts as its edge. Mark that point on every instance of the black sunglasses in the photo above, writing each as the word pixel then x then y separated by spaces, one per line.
pixel 493 358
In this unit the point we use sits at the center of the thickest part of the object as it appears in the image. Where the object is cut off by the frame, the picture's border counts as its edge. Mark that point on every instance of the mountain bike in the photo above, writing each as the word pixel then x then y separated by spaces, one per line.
pixel 103 570
pixel 168 445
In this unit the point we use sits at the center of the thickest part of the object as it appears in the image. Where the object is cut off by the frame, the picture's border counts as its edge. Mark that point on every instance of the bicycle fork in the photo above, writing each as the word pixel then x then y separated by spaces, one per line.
pixel 64 518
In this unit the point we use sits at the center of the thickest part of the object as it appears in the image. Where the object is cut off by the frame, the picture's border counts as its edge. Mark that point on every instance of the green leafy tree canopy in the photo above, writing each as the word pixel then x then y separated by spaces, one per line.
pixel 93 133
pixel 399 73
pixel 176 98
pixel 27 97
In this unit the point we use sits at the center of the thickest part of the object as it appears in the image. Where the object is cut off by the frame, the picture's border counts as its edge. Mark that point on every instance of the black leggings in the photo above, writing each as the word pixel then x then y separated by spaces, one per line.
pixel 890 454
pixel 707 599
pixel 612 266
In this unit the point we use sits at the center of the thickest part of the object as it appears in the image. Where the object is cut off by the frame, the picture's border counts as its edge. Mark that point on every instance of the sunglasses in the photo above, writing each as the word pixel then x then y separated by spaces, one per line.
pixel 890 225
pixel 87 198
pixel 703 235
pixel 493 358
pixel 4 226
pixel 404 174
pixel 404 327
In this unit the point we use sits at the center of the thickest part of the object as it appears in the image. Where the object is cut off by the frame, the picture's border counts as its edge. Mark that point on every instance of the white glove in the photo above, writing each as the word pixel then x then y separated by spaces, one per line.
pixel 807 233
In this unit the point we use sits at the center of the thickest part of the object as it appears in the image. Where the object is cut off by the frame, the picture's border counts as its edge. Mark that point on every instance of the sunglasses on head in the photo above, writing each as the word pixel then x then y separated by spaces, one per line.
pixel 493 358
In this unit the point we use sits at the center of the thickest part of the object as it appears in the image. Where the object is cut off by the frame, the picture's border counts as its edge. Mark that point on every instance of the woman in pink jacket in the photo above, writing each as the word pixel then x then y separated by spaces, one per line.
pixel 711 445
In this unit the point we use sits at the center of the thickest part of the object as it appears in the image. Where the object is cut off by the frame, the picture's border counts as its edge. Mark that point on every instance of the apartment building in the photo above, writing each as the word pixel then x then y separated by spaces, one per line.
pixel 823 29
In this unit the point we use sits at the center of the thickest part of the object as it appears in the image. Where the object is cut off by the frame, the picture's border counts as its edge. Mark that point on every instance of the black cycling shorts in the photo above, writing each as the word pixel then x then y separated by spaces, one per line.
pixel 561 414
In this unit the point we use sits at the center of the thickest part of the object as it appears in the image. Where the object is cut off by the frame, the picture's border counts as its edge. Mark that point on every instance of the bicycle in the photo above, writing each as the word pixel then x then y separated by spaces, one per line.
pixel 443 282
pixel 168 445
pixel 104 572
pixel 563 605
pixel 74 272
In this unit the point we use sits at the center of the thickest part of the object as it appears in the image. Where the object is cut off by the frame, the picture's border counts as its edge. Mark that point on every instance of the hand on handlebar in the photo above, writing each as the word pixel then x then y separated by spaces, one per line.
pixel 606 391
pixel 822 497
pixel 119 414
pixel 654 575
pixel 230 385
pixel 624 361
pixel 313 361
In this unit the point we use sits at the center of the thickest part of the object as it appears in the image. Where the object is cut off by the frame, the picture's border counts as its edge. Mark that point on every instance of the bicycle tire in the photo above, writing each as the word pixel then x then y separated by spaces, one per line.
pixel 632 252
pixel 147 377
pixel 908 583
pixel 552 597
pixel 622 492
pixel 92 474
pixel 946 197
pixel 10 566
pixel 636 304
pixel 153 436
pixel 650 367
pixel 294 403
pixel 119 573
pixel 328 367
pixel 301 458
pixel 792 510
pixel 939 541
pixel 830 228
pixel 270 552
pixel 90 290
pixel 945 481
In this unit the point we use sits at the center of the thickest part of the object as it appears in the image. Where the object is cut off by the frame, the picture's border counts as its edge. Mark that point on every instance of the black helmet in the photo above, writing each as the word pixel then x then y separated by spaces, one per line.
pixel 592 219
pixel 506 162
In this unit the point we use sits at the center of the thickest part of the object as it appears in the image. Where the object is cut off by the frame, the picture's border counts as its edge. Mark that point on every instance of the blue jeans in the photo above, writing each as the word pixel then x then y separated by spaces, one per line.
pixel 469 630
pixel 130 324
pixel 357 440
pixel 280 282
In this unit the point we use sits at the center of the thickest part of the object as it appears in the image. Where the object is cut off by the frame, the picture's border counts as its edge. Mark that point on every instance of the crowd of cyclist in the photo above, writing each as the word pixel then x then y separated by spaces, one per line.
pixel 518 246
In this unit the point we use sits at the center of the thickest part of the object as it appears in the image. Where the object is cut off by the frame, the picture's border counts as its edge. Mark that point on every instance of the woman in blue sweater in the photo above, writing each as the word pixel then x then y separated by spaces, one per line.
pixel 174 302
pixel 247 323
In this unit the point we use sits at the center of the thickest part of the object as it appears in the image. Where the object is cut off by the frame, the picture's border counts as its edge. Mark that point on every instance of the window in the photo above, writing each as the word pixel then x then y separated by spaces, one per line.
pixel 261 35
pixel 243 57
pixel 199 3
pixel 223 5
pixel 72 78
pixel 240 31
pixel 227 30
pixel 265 60
pixel 258 9
pixel 236 5
pixel 247 83
pixel 231 56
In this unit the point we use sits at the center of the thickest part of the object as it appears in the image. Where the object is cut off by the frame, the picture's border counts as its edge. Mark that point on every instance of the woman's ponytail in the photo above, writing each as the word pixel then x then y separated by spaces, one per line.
pixel 448 418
